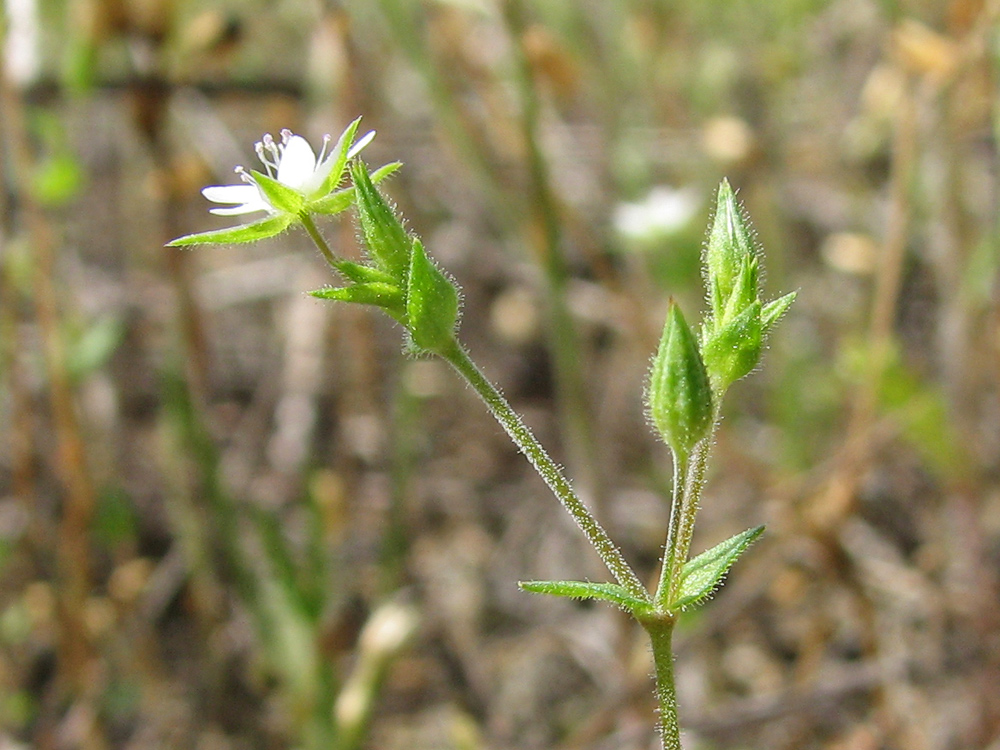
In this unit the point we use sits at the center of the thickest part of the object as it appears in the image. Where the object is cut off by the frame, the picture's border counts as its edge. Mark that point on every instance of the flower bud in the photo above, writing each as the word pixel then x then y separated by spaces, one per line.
pixel 729 247
pixel 679 396
pixel 431 304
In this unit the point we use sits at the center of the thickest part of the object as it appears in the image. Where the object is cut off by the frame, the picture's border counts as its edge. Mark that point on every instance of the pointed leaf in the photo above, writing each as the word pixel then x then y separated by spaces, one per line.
pixel 363 274
pixel 774 310
pixel 703 574
pixel 279 195
pixel 258 230
pixel 608 592
pixel 387 296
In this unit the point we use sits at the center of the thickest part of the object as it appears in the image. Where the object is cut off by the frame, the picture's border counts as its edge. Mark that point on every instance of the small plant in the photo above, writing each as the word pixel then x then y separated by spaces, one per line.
pixel 687 382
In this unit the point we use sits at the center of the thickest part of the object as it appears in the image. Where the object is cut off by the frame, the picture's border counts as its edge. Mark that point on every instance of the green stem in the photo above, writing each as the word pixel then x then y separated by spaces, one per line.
pixel 547 468
pixel 320 241
pixel 667 572
pixel 693 485
pixel 661 632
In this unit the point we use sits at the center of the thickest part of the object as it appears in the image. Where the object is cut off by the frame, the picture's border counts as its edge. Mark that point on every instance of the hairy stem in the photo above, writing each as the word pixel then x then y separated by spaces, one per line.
pixel 320 242
pixel 661 632
pixel 547 468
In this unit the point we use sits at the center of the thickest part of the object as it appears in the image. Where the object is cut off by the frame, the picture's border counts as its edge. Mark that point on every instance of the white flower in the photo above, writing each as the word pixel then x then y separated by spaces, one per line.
pixel 664 211
pixel 292 162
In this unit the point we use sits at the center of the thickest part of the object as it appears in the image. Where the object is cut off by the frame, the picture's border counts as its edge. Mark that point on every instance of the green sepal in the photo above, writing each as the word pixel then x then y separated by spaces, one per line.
pixel 339 156
pixel 341 200
pixel 362 274
pixel 387 296
pixel 432 303
pixel 679 396
pixel 772 311
pixel 608 592
pixel 744 291
pixel 331 204
pixel 734 350
pixel 729 244
pixel 258 230
pixel 279 195
pixel 387 241
pixel 702 575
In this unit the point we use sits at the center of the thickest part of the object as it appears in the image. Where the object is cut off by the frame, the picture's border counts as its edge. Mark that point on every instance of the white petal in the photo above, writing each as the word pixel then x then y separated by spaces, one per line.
pixel 231 193
pixel 247 208
pixel 362 142
pixel 298 162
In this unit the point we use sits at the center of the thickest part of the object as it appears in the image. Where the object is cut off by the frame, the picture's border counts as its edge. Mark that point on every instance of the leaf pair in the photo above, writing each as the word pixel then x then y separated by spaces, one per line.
pixel 700 577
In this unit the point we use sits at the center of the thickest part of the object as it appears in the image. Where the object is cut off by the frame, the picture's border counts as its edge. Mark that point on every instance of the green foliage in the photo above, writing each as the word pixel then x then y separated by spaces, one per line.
pixel 702 575
pixel 608 592
pixel 258 230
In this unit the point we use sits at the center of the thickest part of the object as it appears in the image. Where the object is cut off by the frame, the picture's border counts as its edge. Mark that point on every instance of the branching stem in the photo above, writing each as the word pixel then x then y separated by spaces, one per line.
pixel 549 471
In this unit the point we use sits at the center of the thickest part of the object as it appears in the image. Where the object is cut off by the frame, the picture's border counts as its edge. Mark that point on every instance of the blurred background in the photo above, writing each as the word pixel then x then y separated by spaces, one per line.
pixel 233 517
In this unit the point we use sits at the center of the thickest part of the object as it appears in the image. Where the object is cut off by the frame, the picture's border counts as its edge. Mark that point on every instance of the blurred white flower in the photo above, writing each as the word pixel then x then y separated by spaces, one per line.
pixel 292 162
pixel 664 210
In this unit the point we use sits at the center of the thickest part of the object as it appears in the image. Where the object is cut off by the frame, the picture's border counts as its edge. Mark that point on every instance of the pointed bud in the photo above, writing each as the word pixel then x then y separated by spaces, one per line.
pixel 431 304
pixel 387 241
pixel 729 245
pixel 679 397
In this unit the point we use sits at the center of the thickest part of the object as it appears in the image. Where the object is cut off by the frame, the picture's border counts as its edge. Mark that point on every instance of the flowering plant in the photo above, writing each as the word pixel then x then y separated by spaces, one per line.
pixel 688 379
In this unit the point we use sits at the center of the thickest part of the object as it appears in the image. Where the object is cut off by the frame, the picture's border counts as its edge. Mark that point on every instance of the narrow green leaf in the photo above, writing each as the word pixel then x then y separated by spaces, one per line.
pixel 774 310
pixel 387 296
pixel 258 230
pixel 278 194
pixel 431 303
pixel 608 592
pixel 703 574
pixel 363 274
